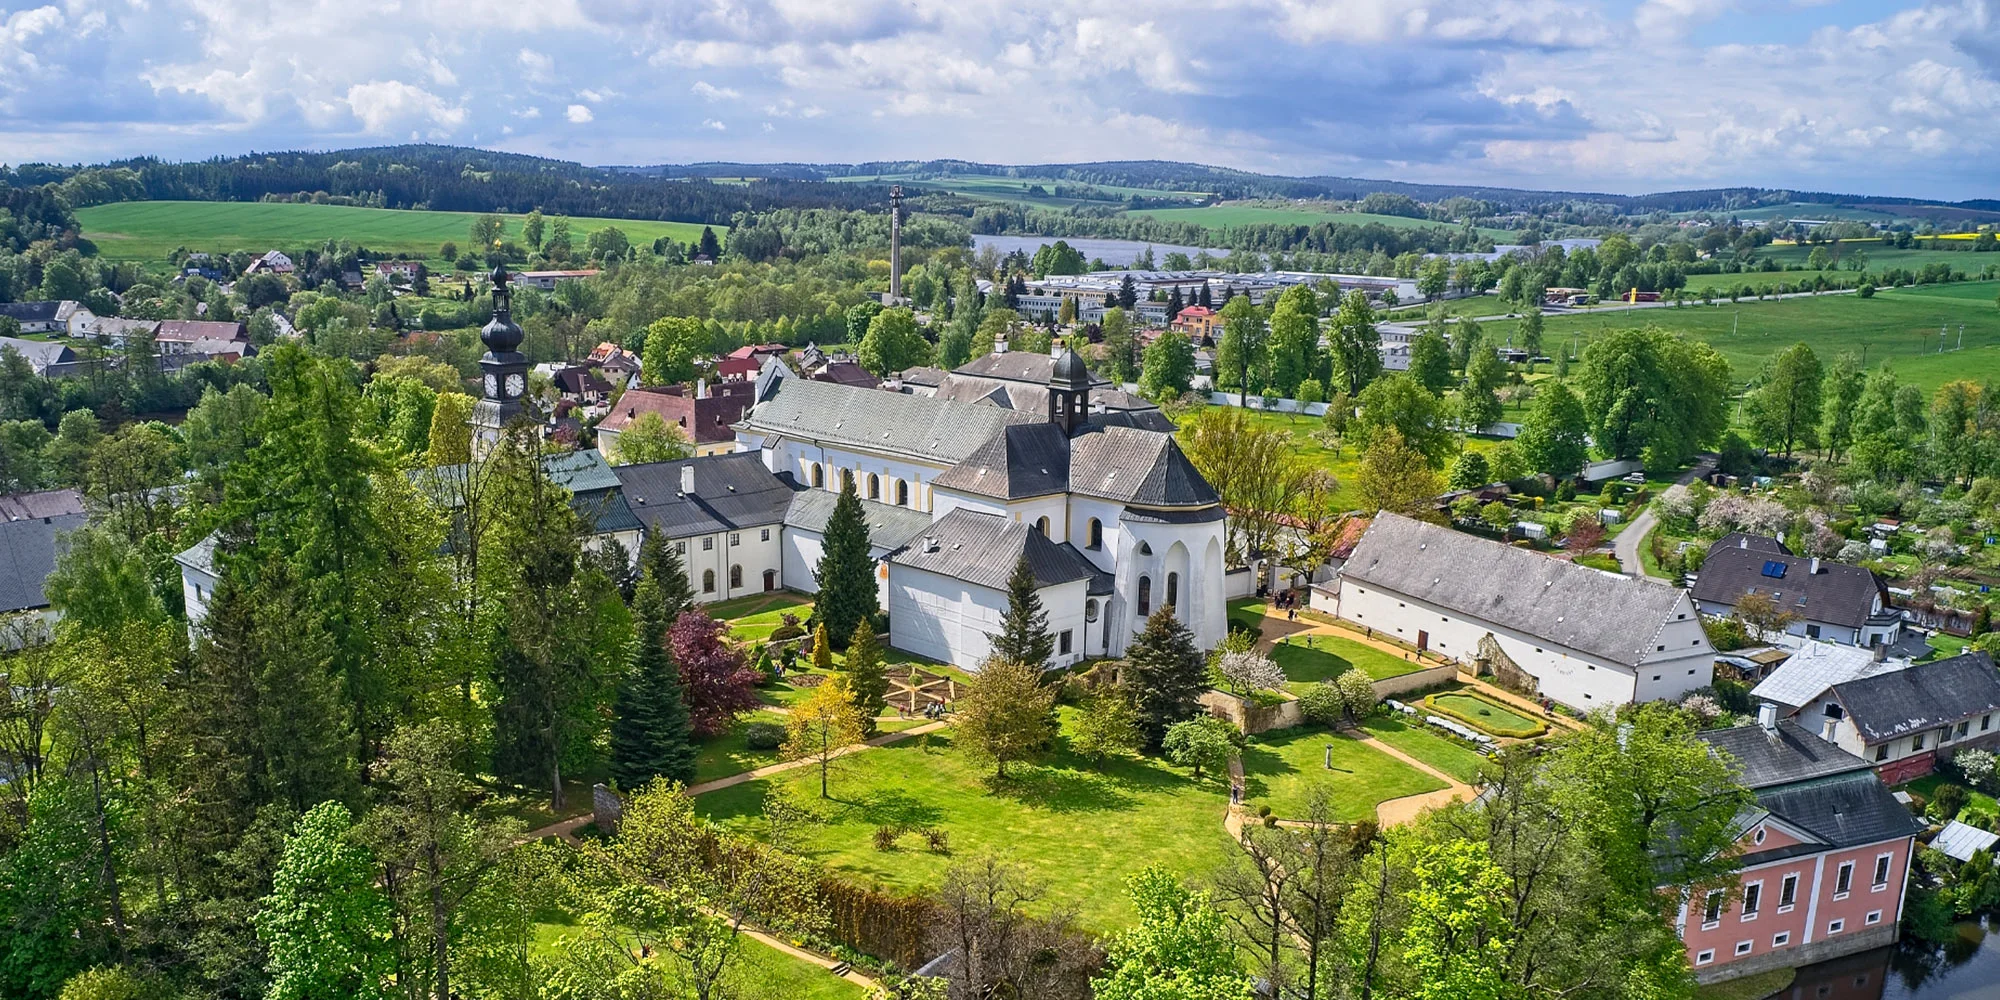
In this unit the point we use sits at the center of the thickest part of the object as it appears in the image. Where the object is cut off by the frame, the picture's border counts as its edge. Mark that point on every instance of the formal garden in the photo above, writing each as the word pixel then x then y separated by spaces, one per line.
pixel 1486 714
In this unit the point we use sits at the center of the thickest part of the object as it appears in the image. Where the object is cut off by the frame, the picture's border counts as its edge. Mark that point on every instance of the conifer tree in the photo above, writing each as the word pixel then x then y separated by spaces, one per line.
pixel 822 649
pixel 866 677
pixel 1166 675
pixel 651 735
pixel 659 559
pixel 1024 630
pixel 846 570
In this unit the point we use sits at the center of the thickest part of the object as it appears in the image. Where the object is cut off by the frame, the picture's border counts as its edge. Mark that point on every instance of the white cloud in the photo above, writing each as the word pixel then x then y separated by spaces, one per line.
pixel 382 104
pixel 536 66
pixel 709 92
pixel 711 123
pixel 578 114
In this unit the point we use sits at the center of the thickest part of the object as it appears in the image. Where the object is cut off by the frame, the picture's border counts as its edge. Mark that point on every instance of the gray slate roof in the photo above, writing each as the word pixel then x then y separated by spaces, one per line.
pixel 1806 674
pixel 922 375
pixel 1807 782
pixel 1613 617
pixel 732 491
pixel 1922 696
pixel 28 556
pixel 930 429
pixel 1790 754
pixel 40 354
pixel 1838 594
pixel 1023 460
pixel 1015 366
pixel 982 549
pixel 594 490
pixel 47 503
pixel 31 312
pixel 1136 466
pixel 889 526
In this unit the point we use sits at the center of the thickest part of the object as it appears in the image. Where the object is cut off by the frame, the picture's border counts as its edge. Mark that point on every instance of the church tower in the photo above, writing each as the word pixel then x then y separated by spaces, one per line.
pixel 503 367
pixel 1069 393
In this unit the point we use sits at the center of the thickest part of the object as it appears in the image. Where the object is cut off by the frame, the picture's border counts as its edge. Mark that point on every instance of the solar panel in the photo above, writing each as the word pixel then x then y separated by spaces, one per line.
pixel 1774 569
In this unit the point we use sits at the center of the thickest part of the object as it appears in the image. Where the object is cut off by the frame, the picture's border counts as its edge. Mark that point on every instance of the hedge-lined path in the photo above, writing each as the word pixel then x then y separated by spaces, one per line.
pixel 779 768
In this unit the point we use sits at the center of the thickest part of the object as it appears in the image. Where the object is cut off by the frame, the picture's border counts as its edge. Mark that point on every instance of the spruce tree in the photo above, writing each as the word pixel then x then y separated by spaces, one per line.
pixel 1024 630
pixel 866 676
pixel 846 570
pixel 1166 675
pixel 822 649
pixel 651 735
pixel 658 558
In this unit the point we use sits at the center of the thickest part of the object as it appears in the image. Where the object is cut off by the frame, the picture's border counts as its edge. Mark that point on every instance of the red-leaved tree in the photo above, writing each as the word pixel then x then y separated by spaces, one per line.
pixel 718 683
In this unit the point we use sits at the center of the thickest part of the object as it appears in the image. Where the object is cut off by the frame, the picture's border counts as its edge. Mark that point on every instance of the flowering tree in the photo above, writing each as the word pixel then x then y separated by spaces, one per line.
pixel 1755 515
pixel 1676 505
pixel 1247 670
pixel 719 684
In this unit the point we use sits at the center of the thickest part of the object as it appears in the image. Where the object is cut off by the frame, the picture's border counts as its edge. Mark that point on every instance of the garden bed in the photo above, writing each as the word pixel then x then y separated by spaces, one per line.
pixel 1485 714
pixel 1455 757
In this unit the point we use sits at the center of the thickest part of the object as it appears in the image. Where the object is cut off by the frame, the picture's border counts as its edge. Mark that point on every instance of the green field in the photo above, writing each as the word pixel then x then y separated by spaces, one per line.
pixel 1897 325
pixel 992 187
pixel 1346 461
pixel 1282 768
pixel 1446 753
pixel 1215 216
pixel 1329 656
pixel 150 230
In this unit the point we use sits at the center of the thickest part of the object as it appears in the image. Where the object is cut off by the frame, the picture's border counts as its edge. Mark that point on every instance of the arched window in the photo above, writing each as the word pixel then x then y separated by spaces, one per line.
pixel 1095 537
pixel 1145 595
pixel 1042 525
pixel 874 487
pixel 1090 610
pixel 1145 549
pixel 902 493
pixel 708 581
pixel 819 475
pixel 1173 590
pixel 846 478
pixel 736 579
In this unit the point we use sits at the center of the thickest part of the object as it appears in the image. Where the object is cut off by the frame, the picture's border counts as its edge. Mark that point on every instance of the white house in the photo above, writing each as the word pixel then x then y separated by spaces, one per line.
pixel 889 529
pixel 1581 636
pixel 724 514
pixel 948 589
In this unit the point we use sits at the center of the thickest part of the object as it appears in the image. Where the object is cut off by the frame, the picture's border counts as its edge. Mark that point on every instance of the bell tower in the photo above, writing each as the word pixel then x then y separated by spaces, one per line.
pixel 503 369
pixel 1069 392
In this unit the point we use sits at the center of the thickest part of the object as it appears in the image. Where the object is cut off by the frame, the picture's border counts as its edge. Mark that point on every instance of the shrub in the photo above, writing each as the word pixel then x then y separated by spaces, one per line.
pixel 1271 822
pixel 1948 800
pixel 1866 291
pixel 1263 810
pixel 939 841
pixel 790 629
pixel 1978 768
pixel 885 837
pixel 763 736
pixel 1322 704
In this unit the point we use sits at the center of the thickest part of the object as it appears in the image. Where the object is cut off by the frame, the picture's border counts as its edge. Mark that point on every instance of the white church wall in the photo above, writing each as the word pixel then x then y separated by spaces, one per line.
pixel 1082 510
pixel 800 458
pixel 1194 553
pixel 802 552
pixel 948 619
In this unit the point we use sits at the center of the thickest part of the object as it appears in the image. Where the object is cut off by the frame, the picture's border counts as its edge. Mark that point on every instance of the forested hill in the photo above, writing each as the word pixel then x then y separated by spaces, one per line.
pixel 446 178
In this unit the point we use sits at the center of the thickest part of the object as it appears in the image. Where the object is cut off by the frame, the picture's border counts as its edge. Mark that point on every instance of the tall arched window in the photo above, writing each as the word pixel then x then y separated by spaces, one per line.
pixel 819 475
pixel 874 487
pixel 1145 595
pixel 902 493
pixel 1173 590
pixel 736 578
pixel 1042 525
pixel 708 581
pixel 1094 538
pixel 1090 610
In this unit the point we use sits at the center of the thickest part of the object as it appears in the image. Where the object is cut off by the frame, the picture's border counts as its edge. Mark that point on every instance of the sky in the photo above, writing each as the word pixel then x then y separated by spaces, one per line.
pixel 1860 96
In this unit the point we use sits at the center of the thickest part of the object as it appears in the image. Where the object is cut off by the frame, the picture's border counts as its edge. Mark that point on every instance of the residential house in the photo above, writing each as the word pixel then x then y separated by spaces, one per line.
pixel 847 373
pixel 41 355
pixel 618 365
pixel 1825 857
pixel 49 316
pixel 735 369
pixel 1831 601
pixel 272 262
pixel 117 330
pixel 1580 636
pixel 30 537
pixel 919 381
pixel 722 513
pixel 199 336
pixel 1902 721
pixel 581 383
pixel 1199 323
pixel 1804 676
pixel 392 270
pixel 546 281
pixel 705 413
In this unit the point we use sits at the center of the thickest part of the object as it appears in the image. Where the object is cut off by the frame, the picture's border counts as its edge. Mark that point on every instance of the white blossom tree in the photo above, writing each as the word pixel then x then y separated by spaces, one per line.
pixel 1245 671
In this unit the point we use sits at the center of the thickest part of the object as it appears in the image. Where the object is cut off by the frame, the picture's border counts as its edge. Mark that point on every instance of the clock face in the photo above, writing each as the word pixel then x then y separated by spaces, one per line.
pixel 514 384
pixel 492 386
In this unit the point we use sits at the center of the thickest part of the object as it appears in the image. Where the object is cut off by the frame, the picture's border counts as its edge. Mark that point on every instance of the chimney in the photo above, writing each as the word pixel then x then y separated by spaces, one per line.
pixel 1767 717
pixel 701 388
pixel 1000 345
pixel 1826 729
pixel 1814 566
pixel 687 480
pixel 1743 541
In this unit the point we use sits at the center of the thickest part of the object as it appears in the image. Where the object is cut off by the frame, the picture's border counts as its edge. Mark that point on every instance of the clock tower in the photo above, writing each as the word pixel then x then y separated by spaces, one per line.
pixel 503 369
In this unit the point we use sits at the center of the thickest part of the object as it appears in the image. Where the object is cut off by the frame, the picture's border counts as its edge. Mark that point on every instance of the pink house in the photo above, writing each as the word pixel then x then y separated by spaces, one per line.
pixel 1825 854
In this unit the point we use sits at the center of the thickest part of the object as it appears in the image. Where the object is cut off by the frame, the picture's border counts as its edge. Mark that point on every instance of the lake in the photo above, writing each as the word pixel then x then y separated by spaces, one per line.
pixel 1967 968
pixel 1117 253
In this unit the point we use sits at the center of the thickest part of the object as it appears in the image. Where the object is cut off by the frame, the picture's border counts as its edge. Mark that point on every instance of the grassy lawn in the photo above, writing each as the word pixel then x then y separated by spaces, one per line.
pixel 531 805
pixel 1897 325
pixel 1976 801
pixel 754 618
pixel 1491 716
pixel 1247 613
pixel 761 971
pixel 1756 986
pixel 1281 769
pixel 150 230
pixel 726 754
pixel 1329 656
pixel 1217 216
pixel 1346 462
pixel 1425 744
pixel 1081 827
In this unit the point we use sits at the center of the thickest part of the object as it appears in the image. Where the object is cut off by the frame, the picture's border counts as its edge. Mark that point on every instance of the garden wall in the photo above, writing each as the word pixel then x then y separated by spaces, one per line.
pixel 1249 717
pixel 1430 677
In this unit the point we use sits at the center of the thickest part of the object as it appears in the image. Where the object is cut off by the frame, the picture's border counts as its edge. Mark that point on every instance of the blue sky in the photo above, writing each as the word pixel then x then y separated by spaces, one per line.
pixel 1868 96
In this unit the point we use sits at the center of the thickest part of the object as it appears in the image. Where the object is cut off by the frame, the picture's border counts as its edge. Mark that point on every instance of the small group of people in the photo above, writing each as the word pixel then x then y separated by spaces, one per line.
pixel 1288 600
pixel 931 710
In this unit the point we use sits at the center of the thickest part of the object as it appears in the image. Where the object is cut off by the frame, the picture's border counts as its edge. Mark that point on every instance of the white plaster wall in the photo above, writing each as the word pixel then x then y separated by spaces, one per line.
pixel 948 619
pixel 197 589
pixel 1201 606
pixel 754 553
pixel 802 552
pixel 799 458
pixel 1081 510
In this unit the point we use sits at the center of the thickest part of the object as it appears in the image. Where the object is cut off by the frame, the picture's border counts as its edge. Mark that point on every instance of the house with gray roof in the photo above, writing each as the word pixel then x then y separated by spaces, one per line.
pixel 724 514
pixel 948 587
pixel 39 354
pixel 1902 721
pixel 1815 667
pixel 1830 601
pixel 30 537
pixel 1580 636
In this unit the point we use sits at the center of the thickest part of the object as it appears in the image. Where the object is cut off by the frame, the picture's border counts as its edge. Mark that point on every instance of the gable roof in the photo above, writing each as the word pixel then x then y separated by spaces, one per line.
pixel 928 429
pixel 1788 754
pixel 731 491
pixel 28 556
pixel 1961 842
pixel 1838 594
pixel 1023 460
pixel 1133 465
pixel 30 312
pixel 1922 696
pixel 1831 796
pixel 1745 540
pixel 1032 367
pixel 1616 618
pixel 188 331
pixel 45 503
pixel 982 549
pixel 39 354
pixel 889 526
pixel 1806 674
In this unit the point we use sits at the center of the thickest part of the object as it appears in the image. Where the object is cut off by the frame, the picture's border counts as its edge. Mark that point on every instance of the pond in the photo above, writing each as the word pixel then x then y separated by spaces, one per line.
pixel 1967 968
pixel 1117 253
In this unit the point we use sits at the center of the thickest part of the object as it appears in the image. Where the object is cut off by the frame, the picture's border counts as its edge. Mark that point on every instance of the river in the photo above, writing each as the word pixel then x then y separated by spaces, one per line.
pixel 1117 253
pixel 1967 968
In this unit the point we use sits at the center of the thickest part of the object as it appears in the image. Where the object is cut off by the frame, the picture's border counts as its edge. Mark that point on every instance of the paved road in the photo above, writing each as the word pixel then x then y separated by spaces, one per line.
pixel 1626 545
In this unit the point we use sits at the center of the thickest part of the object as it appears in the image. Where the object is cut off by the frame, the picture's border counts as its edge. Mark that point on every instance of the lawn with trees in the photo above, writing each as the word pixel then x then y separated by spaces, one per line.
pixel 1315 658
pixel 1282 769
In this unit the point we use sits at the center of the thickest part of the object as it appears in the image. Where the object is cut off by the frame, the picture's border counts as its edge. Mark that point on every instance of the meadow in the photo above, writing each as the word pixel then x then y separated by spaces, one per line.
pixel 151 230
pixel 992 187
pixel 1300 214
pixel 1896 325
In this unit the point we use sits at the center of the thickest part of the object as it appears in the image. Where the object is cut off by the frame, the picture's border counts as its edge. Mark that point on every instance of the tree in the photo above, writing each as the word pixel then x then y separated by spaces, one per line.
pixel 1785 409
pixel 486 231
pixel 1242 348
pixel 822 648
pixel 822 727
pixel 649 438
pixel 1008 715
pixel 1024 635
pixel 451 429
pixel 1396 403
pixel 846 569
pixel 1498 516
pixel 1840 407
pixel 867 680
pixel 893 343
pixel 325 923
pixel 1105 727
pixel 1202 742
pixel 1168 369
pixel 1121 357
pixel 659 559
pixel 1531 331
pixel 532 229
pixel 1165 675
pixel 651 733
pixel 1180 949
pixel 672 345
pixel 1002 951
pixel 1650 394
pixel 1357 695
pixel 1294 340
pixel 558 246
pixel 718 685
pixel 1762 617
pixel 1433 277
pixel 1430 360
pixel 708 245
pixel 1469 471
pixel 1357 356
pixel 1479 401
pixel 1554 437
pixel 1397 478
pixel 1246 671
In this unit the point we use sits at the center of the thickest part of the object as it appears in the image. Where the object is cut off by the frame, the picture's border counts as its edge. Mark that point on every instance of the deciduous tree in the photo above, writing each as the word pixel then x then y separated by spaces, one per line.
pixel 1397 478
pixel 1180 949
pixel 325 924
pixel 1008 716
pixel 822 727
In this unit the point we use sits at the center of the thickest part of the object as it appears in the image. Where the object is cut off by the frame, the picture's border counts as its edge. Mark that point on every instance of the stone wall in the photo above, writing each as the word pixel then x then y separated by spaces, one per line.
pixel 1249 717
pixel 1798 957
pixel 1390 687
